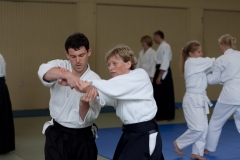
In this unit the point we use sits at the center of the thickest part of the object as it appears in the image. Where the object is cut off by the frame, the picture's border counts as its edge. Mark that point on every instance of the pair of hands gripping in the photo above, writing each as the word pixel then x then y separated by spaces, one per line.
pixel 73 81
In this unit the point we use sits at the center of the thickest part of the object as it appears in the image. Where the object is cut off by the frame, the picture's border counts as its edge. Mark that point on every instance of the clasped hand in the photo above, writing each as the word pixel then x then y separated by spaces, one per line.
pixel 73 81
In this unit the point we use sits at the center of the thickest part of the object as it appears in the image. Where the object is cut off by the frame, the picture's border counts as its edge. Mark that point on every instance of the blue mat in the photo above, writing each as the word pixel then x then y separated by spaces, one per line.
pixel 227 149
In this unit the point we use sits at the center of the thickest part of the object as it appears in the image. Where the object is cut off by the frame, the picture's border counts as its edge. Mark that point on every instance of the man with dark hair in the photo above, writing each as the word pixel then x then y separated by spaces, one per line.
pixel 162 81
pixel 71 132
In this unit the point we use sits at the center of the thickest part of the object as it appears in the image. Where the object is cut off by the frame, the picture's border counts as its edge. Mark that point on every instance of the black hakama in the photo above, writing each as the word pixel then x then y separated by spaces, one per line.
pixel 64 143
pixel 164 96
pixel 7 135
pixel 134 142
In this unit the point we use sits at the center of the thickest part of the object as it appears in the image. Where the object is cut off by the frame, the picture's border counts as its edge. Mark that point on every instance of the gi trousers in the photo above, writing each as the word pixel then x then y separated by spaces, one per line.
pixel 69 144
pixel 164 96
pixel 220 115
pixel 197 123
pixel 7 133
pixel 134 142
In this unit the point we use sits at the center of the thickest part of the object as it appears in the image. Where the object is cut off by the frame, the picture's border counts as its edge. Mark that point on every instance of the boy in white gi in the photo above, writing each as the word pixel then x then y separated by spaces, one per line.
pixel 130 92
pixel 195 101
pixel 226 71
pixel 69 134
pixel 146 57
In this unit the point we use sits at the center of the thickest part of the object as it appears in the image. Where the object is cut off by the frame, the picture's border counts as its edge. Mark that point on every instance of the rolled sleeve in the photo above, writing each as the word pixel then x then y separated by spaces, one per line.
pixel 43 69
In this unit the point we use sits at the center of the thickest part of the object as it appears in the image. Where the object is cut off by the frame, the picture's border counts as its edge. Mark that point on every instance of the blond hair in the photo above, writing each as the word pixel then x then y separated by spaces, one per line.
pixel 191 46
pixel 228 40
pixel 148 40
pixel 125 53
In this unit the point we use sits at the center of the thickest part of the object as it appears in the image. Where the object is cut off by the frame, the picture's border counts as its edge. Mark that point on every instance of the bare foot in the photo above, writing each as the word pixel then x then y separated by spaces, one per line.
pixel 206 151
pixel 195 156
pixel 179 151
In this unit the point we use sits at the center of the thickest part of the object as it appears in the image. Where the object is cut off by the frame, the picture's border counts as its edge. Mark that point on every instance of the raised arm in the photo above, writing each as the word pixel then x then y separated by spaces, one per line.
pixel 54 74
pixel 64 77
pixel 49 73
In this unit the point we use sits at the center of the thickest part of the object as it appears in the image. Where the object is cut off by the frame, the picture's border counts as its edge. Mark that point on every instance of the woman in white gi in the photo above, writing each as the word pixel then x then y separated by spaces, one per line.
pixel 146 57
pixel 226 71
pixel 195 101
pixel 130 91
pixel 7 135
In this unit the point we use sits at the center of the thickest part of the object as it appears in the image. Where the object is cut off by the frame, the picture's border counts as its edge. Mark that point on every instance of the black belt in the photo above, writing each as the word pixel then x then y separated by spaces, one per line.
pixel 2 79
pixel 73 131
pixel 158 66
pixel 148 126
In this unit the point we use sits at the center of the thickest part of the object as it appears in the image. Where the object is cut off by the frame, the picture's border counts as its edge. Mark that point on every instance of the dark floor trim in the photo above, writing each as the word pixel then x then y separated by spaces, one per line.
pixel 45 112
pixel 31 113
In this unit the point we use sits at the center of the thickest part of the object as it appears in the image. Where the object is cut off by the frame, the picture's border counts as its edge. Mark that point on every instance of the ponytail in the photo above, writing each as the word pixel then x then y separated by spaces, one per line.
pixel 233 42
pixel 191 46
pixel 183 59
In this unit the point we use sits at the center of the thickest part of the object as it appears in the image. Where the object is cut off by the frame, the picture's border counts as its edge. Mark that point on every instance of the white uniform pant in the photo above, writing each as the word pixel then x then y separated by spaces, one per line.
pixel 219 117
pixel 197 123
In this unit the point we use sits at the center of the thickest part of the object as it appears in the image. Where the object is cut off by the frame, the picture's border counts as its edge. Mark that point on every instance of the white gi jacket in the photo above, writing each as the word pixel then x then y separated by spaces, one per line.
pixel 130 94
pixel 64 101
pixel 164 57
pixel 2 66
pixel 195 75
pixel 226 71
pixel 146 61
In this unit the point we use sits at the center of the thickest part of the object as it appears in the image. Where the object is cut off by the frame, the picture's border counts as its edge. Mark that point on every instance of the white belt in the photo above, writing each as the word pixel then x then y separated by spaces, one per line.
pixel 206 99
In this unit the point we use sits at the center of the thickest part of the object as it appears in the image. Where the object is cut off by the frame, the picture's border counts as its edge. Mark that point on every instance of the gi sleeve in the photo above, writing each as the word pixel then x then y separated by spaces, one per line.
pixel 153 65
pixel 93 112
pixel 95 105
pixel 108 101
pixel 215 76
pixel 166 58
pixel 2 66
pixel 197 65
pixel 127 86
pixel 45 67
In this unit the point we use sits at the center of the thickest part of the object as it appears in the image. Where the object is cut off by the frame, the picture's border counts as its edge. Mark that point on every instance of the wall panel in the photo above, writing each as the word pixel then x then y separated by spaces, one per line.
pixel 217 23
pixel 32 33
pixel 127 24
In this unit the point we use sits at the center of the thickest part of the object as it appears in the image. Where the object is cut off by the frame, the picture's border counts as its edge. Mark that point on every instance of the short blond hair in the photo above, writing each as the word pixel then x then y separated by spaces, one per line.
pixel 228 40
pixel 148 40
pixel 124 52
